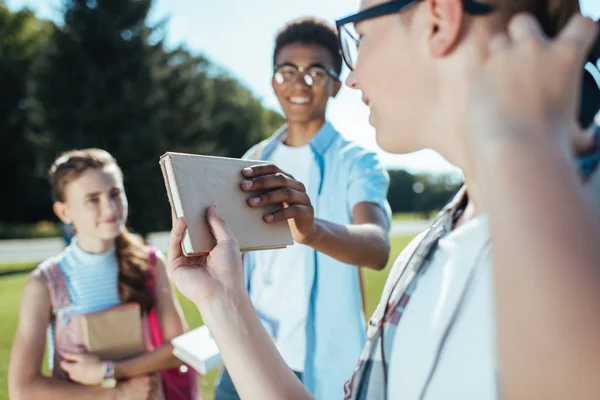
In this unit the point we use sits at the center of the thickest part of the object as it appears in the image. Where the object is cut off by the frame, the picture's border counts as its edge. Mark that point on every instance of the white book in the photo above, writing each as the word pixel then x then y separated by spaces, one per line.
pixel 198 349
pixel 195 182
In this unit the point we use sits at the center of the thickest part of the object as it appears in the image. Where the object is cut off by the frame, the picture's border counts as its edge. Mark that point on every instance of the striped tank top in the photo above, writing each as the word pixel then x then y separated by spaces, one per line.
pixel 91 280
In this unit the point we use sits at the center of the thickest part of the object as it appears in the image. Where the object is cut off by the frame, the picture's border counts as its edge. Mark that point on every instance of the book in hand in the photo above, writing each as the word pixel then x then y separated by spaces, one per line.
pixel 115 333
pixel 195 182
pixel 197 349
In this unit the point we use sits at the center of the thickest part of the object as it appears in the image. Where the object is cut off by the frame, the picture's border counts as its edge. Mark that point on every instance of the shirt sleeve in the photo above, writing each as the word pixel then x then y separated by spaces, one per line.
pixel 255 151
pixel 250 154
pixel 369 182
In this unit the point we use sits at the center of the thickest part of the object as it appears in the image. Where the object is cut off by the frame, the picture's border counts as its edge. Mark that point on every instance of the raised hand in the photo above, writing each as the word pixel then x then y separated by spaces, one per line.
pixel 530 84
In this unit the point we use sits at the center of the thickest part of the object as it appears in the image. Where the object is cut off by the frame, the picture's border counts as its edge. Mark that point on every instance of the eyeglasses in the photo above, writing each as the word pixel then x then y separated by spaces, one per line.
pixel 349 40
pixel 316 74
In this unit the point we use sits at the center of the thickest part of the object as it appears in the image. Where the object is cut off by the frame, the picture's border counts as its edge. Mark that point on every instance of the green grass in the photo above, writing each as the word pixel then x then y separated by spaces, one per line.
pixel 409 216
pixel 10 296
pixel 12 286
pixel 16 267
pixel 375 280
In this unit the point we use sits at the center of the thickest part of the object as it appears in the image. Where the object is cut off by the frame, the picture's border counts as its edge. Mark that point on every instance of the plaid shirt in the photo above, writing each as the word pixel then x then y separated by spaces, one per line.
pixel 369 380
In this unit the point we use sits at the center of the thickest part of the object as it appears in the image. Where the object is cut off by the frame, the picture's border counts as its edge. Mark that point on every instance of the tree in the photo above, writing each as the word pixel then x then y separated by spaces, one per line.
pixel 401 195
pixel 106 80
pixel 187 100
pixel 434 192
pixel 422 193
pixel 238 120
pixel 21 37
pixel 97 85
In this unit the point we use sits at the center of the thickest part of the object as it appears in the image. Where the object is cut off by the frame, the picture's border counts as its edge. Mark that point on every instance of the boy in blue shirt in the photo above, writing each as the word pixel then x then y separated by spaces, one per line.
pixel 308 296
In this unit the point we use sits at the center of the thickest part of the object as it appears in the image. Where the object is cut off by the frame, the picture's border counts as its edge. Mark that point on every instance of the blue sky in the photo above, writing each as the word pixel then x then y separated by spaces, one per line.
pixel 238 34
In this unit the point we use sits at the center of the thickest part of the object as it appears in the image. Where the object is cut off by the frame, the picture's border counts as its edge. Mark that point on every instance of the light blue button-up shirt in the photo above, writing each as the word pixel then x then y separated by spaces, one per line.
pixel 345 175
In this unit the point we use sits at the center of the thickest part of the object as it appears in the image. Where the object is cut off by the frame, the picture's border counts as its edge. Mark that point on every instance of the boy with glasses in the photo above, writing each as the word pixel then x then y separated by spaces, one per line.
pixel 308 296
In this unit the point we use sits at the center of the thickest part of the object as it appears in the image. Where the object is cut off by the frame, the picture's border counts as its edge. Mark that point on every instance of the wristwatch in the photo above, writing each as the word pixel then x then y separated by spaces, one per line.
pixel 109 381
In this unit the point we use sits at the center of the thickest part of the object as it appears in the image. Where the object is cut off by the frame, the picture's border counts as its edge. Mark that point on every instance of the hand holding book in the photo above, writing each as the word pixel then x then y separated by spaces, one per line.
pixel 88 369
pixel 195 182
pixel 201 278
pixel 281 189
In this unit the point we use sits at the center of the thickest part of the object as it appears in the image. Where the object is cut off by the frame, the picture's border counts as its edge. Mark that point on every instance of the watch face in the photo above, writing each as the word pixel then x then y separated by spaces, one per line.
pixel 109 383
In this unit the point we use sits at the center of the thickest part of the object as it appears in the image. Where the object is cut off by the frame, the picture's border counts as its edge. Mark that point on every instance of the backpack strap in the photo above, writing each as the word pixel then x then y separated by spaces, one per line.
pixel 59 295
pixel 151 280
pixel 152 321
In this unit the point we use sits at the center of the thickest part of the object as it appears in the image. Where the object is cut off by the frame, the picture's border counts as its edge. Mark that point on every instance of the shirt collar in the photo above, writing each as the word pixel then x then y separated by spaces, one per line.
pixel 320 143
pixel 86 258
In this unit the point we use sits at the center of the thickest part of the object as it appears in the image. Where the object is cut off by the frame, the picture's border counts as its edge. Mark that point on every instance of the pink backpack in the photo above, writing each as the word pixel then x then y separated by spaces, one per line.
pixel 68 333
pixel 178 383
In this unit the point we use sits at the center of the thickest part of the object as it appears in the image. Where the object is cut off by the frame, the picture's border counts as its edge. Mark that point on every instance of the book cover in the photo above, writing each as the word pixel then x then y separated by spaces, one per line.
pixel 115 333
pixel 195 182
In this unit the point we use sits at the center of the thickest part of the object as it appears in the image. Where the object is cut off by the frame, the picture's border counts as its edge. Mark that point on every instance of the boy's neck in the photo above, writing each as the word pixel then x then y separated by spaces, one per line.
pixel 301 133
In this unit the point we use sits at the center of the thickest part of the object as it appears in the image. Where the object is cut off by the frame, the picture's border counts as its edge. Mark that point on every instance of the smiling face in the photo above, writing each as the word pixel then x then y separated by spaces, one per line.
pixel 396 78
pixel 95 203
pixel 300 102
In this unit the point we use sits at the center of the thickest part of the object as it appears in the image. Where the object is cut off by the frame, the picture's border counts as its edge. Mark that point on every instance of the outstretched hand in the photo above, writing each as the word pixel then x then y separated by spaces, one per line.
pixel 201 278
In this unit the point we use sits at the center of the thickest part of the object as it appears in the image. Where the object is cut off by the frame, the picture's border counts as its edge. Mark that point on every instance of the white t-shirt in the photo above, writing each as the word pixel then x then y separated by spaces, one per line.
pixel 278 289
pixel 466 368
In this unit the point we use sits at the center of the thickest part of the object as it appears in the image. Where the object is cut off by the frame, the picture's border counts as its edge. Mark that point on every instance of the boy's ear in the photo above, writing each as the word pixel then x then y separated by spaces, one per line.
pixel 62 212
pixel 336 87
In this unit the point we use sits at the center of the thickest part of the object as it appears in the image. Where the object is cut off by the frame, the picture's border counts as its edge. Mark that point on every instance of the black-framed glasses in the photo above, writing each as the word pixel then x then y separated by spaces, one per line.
pixel 315 74
pixel 349 40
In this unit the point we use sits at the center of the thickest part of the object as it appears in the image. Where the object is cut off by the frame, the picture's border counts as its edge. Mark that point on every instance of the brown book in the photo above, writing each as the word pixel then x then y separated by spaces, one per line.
pixel 114 334
pixel 195 182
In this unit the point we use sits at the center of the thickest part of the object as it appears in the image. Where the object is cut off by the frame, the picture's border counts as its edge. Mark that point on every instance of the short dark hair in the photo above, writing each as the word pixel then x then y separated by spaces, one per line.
pixel 310 31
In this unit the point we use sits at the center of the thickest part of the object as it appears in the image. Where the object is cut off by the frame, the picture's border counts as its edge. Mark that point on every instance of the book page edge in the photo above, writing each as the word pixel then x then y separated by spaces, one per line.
pixel 175 198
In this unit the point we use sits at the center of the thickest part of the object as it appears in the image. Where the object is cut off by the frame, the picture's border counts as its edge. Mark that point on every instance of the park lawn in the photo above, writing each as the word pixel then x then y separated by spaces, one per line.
pixel 407 216
pixel 15 268
pixel 412 216
pixel 11 287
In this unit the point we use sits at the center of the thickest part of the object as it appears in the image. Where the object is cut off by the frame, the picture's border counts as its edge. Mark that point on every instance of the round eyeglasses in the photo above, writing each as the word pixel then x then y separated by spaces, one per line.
pixel 314 75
